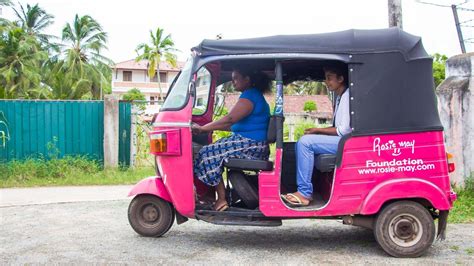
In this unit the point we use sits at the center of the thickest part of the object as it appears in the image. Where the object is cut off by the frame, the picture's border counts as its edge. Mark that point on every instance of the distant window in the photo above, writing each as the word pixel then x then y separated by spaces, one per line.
pixel 322 121
pixel 127 76
pixel 152 100
pixel 163 77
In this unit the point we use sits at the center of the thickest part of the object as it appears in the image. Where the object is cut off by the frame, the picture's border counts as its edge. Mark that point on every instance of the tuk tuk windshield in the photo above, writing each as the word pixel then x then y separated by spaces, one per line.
pixel 177 95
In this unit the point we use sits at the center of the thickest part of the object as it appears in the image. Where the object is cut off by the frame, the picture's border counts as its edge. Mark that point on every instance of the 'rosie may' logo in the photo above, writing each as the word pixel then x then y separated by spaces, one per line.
pixel 395 147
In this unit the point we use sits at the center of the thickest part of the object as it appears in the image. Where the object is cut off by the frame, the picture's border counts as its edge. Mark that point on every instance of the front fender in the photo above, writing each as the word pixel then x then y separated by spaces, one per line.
pixel 152 185
pixel 404 189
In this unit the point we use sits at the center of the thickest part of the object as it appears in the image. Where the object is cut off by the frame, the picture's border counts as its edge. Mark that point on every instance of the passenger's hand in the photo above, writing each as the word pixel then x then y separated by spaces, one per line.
pixel 196 129
pixel 312 130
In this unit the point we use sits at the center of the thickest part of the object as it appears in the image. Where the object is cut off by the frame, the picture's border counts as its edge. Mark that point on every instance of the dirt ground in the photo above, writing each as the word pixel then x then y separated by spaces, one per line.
pixel 98 232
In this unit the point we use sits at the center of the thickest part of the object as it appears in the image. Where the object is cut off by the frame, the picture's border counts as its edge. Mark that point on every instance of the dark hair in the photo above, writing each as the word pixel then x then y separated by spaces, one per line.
pixel 339 69
pixel 258 79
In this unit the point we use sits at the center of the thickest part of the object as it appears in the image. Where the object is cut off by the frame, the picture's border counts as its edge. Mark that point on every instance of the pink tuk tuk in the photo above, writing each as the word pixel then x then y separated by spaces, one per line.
pixel 391 174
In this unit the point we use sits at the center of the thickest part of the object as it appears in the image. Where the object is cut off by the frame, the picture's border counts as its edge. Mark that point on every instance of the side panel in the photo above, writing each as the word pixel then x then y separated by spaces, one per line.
pixel 151 185
pixel 405 188
pixel 370 163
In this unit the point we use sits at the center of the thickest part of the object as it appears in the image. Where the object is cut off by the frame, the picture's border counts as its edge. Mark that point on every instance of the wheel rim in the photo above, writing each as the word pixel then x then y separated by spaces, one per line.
pixel 405 230
pixel 149 215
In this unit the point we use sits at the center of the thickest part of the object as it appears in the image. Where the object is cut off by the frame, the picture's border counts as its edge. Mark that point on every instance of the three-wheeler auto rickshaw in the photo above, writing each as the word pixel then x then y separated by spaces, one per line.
pixel 390 174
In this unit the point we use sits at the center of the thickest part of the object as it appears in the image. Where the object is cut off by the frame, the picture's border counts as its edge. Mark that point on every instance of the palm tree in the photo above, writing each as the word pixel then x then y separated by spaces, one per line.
pixel 34 20
pixel 83 64
pixel 160 46
pixel 20 63
pixel 5 2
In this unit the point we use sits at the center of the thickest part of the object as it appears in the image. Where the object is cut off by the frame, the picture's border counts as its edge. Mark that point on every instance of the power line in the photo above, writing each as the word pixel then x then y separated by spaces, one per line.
pixel 457 23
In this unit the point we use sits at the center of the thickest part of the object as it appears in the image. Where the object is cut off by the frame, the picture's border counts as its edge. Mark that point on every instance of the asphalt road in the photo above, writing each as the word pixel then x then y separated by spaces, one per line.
pixel 98 232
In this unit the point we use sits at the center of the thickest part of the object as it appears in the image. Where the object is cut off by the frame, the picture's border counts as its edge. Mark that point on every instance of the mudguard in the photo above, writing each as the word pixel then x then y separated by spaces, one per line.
pixel 152 185
pixel 404 189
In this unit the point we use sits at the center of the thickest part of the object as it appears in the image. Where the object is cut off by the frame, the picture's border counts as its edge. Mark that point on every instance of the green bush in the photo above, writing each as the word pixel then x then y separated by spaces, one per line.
pixel 310 106
pixel 300 128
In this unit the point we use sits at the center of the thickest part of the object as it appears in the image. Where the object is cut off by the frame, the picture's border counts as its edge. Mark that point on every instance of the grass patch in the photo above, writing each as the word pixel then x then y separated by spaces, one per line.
pixel 66 171
pixel 463 209
pixel 470 251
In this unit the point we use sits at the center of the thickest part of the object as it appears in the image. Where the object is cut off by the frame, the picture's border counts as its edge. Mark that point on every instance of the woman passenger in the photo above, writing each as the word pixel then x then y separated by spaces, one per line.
pixel 248 122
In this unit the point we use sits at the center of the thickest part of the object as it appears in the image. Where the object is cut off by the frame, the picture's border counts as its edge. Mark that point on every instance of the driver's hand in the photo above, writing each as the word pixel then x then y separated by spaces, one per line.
pixel 196 129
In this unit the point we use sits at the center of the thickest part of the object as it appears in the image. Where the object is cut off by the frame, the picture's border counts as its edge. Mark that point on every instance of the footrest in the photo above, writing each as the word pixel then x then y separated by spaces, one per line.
pixel 237 216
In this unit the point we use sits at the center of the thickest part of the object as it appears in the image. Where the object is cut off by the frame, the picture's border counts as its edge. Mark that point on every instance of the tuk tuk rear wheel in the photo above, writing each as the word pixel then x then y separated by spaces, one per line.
pixel 404 229
pixel 150 215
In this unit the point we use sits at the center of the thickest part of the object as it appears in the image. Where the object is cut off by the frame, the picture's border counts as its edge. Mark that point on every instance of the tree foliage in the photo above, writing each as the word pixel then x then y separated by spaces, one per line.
pixel 309 106
pixel 439 67
pixel 34 66
pixel 133 94
pixel 303 87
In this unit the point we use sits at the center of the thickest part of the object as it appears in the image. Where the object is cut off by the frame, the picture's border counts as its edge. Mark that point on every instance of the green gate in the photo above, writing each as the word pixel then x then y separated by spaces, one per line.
pixel 125 122
pixel 51 128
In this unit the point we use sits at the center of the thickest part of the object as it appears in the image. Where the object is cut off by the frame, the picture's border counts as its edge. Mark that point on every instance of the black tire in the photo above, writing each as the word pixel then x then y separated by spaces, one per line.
pixel 150 215
pixel 404 229
pixel 247 192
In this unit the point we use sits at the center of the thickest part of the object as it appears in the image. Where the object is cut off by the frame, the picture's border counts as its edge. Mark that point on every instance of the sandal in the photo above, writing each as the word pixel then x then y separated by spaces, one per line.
pixel 297 200
pixel 223 207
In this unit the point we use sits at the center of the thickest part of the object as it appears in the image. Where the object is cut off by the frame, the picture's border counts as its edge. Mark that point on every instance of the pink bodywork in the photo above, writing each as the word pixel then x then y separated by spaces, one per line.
pixel 374 170
pixel 362 184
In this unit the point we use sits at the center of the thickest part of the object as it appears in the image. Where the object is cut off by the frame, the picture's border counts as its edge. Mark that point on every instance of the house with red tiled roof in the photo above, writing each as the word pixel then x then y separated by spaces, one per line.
pixel 132 74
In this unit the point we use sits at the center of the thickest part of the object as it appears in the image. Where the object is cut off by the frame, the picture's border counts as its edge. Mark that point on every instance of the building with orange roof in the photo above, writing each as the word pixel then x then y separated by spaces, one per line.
pixel 131 74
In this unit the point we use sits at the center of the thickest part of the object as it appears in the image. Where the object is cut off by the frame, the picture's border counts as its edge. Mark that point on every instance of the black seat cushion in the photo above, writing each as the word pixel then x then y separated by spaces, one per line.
pixel 245 164
pixel 325 162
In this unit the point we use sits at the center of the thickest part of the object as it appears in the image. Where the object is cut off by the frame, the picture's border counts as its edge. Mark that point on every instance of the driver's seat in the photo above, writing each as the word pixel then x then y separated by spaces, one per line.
pixel 246 186
pixel 255 165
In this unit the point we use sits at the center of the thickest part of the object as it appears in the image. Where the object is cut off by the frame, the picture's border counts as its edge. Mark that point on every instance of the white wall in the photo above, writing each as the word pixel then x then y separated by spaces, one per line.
pixel 137 76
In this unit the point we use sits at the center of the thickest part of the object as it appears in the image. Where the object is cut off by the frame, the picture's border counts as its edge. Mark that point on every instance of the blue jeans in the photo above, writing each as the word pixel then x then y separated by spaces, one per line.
pixel 306 148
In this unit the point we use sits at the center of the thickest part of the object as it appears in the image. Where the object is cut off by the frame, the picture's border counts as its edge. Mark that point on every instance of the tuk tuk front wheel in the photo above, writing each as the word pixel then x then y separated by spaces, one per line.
pixel 404 229
pixel 150 216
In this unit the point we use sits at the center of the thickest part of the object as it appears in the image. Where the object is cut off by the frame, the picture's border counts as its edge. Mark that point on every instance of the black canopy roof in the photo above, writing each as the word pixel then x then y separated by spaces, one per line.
pixel 346 42
pixel 390 74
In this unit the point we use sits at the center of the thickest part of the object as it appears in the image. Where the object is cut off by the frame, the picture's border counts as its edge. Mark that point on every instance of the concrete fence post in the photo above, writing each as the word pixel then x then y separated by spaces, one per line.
pixel 456 109
pixel 111 131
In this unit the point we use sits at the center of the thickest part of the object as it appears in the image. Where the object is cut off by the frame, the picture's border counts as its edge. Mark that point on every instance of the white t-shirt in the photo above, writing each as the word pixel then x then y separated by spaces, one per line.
pixel 342 115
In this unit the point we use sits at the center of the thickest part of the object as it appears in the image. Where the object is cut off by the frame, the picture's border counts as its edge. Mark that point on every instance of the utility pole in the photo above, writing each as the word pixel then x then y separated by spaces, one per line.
pixel 395 13
pixel 458 28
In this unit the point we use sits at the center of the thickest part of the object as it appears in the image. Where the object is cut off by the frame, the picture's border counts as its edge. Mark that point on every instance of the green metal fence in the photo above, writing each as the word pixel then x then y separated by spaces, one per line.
pixel 51 128
pixel 125 111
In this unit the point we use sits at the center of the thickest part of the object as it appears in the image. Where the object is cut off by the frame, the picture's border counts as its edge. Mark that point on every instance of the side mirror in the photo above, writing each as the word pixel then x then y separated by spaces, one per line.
pixel 219 104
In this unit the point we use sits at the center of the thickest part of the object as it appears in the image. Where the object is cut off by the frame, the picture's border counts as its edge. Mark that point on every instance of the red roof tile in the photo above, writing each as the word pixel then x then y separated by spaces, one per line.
pixel 293 103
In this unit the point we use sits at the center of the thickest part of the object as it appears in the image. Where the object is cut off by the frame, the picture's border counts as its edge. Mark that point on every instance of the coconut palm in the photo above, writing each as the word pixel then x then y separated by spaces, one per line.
pixel 83 64
pixel 34 20
pixel 161 46
pixel 20 63
pixel 5 2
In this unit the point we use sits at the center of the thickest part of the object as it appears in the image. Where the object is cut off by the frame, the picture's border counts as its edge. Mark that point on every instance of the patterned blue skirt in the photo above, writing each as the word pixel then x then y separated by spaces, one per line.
pixel 208 163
